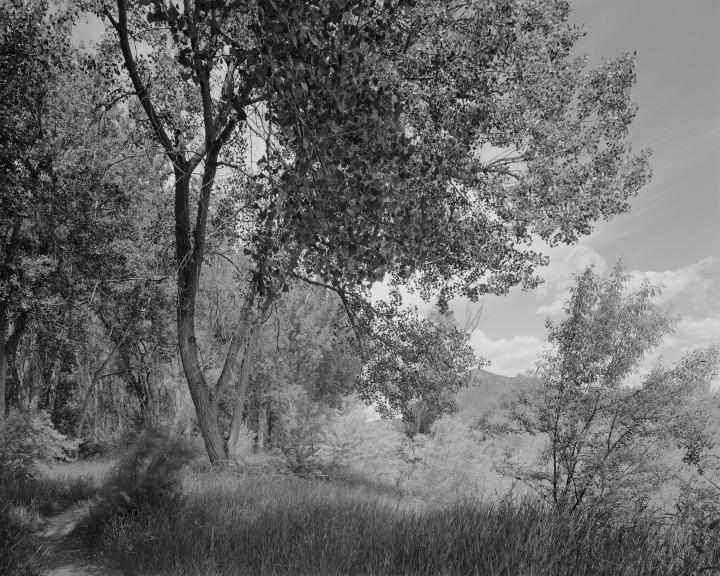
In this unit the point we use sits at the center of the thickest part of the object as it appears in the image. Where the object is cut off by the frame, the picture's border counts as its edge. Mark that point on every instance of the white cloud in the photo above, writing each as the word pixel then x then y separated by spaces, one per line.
pixel 555 307
pixel 691 333
pixel 565 262
pixel 507 357
pixel 568 260
pixel 688 280
pixel 688 335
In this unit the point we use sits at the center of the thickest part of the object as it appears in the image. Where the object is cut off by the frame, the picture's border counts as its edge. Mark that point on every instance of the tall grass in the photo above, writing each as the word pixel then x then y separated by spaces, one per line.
pixel 227 524
pixel 26 498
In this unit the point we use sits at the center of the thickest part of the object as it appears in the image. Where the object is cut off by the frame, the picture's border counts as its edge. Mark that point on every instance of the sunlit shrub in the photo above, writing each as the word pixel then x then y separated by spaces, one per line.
pixel 26 438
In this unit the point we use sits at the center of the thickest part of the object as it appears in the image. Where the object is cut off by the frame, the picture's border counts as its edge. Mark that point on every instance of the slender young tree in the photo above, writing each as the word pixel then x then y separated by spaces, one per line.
pixel 603 434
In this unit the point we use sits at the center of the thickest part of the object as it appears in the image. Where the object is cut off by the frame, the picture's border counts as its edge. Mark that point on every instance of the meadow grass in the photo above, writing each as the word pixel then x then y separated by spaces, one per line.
pixel 223 523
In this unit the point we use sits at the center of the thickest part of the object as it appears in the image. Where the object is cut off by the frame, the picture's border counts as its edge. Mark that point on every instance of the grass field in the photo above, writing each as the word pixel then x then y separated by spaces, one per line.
pixel 223 523
pixel 154 516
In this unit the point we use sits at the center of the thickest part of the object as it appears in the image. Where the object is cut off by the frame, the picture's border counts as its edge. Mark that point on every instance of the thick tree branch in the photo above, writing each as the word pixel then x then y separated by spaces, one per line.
pixel 120 26
pixel 352 317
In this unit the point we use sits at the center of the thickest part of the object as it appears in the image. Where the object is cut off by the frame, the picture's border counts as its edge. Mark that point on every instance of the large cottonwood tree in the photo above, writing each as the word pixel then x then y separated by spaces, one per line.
pixel 428 140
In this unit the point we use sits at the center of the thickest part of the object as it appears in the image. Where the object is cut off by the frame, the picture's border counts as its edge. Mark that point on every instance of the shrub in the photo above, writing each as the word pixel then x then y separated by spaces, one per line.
pixel 300 431
pixel 147 477
pixel 26 438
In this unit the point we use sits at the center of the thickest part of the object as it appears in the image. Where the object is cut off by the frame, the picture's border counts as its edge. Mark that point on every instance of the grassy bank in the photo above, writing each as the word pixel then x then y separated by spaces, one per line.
pixel 226 524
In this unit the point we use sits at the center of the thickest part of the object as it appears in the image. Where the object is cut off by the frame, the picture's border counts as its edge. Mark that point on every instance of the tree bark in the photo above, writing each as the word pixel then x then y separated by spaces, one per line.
pixel 52 386
pixel 261 427
pixel 241 387
pixel 8 348
pixel 137 381
pixel 29 385
pixel 3 363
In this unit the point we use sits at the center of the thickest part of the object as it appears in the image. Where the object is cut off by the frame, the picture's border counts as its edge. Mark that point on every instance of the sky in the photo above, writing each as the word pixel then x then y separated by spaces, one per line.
pixel 671 234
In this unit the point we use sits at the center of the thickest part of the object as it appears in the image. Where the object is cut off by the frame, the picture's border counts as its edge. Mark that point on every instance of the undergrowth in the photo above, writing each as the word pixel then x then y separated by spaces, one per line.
pixel 24 500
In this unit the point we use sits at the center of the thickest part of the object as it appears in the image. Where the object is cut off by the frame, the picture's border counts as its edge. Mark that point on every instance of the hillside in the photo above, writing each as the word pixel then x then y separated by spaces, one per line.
pixel 488 393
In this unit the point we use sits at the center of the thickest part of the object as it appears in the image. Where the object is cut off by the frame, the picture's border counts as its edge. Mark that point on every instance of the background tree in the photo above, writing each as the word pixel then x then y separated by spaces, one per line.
pixel 26 78
pixel 82 240
pixel 604 434
pixel 416 139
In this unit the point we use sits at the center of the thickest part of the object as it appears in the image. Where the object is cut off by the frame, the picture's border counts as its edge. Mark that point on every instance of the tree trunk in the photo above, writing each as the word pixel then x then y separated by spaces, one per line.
pixel 52 386
pixel 205 409
pixel 3 365
pixel 29 386
pixel 96 378
pixel 241 387
pixel 190 258
pixel 189 239
pixel 8 347
pixel 137 382
pixel 261 428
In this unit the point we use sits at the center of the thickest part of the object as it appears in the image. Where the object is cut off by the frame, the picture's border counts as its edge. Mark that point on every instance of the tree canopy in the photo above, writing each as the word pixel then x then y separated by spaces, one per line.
pixel 422 140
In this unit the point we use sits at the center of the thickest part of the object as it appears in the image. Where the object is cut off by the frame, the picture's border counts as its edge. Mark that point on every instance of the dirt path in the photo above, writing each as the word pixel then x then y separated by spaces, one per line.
pixel 63 554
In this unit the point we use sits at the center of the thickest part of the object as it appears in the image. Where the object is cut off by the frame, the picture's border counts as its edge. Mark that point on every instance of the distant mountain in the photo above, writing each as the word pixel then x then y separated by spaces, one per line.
pixel 487 393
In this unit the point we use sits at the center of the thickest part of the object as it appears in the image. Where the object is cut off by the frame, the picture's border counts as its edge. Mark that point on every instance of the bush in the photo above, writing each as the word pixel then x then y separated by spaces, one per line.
pixel 26 438
pixel 17 551
pixel 300 431
pixel 606 438
pixel 147 477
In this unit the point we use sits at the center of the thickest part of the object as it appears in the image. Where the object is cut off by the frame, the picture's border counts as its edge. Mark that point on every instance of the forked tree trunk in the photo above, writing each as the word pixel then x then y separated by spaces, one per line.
pixel 219 126
pixel 205 400
pixel 190 258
